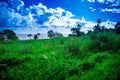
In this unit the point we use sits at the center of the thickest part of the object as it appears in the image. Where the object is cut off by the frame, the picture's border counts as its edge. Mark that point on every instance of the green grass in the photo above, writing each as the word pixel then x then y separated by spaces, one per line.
pixel 95 56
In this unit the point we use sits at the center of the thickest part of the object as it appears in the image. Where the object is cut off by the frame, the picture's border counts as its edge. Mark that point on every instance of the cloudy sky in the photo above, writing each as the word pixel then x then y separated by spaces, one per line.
pixel 39 16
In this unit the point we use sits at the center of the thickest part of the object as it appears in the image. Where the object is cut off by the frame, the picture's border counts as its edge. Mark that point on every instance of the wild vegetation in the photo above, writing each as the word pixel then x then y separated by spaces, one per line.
pixel 91 56
pixel 94 56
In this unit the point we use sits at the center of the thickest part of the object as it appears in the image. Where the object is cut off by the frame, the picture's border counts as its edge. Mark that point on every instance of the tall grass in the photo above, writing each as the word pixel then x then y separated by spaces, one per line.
pixel 73 58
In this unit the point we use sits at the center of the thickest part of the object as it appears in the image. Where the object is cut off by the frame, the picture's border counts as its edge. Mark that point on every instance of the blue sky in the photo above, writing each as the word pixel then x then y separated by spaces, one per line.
pixel 33 16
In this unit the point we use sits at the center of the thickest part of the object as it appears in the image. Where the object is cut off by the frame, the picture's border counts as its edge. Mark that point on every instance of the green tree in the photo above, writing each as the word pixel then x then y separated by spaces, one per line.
pixel 35 36
pixel 29 35
pixel 76 31
pixel 11 35
pixel 2 36
pixel 58 34
pixel 117 28
pixel 97 27
pixel 38 33
pixel 50 34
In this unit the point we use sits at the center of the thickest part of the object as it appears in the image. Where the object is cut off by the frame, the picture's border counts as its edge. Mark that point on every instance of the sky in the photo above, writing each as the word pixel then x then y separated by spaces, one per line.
pixel 39 16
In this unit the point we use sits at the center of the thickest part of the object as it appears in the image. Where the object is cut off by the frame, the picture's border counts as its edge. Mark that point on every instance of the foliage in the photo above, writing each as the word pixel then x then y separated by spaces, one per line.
pixel 35 37
pixel 2 50
pixel 26 49
pixel 76 31
pixel 7 35
pixel 50 34
pixel 89 57
pixel 73 48
pixel 11 35
pixel 29 35
pixel 117 28
pixel 104 42
pixel 58 34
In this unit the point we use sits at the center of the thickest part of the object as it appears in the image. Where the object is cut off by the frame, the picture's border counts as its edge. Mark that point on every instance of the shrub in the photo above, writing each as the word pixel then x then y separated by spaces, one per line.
pixel 11 62
pixel 86 66
pixel 107 41
pixel 73 48
pixel 73 72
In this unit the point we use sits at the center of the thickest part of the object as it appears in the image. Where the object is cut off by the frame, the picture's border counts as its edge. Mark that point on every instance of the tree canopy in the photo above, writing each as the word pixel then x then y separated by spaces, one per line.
pixel 7 35
pixel 52 34
pixel 117 28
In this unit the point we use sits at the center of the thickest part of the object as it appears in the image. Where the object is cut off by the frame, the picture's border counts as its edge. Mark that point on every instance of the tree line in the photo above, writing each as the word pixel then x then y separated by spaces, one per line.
pixel 96 28
pixel 11 35
pixel 50 34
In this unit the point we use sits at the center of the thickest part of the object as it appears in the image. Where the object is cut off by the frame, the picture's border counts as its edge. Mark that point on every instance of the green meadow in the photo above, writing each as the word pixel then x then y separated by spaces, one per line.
pixel 94 56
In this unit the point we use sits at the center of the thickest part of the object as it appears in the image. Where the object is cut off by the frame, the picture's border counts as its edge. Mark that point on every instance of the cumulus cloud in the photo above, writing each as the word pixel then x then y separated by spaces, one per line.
pixel 35 18
pixel 108 24
pixel 113 10
pixel 40 18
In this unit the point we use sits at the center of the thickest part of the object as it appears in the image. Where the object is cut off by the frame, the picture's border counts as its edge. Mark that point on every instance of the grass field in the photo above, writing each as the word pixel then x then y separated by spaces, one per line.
pixel 95 56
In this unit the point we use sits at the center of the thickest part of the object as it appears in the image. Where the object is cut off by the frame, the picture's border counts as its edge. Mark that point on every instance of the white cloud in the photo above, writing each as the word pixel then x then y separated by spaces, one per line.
pixel 101 1
pixel 58 20
pixel 92 9
pixel 110 2
pixel 91 0
pixel 113 10
pixel 116 3
pixel 86 25
pixel 64 21
pixel 69 14
pixel 17 4
pixel 108 24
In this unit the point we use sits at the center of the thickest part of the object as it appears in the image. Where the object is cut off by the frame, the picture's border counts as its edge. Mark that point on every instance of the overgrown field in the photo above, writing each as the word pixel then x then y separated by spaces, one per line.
pixel 94 56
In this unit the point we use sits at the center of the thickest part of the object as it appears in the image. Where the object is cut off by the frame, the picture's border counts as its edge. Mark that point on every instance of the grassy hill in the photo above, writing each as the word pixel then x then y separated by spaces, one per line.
pixel 94 56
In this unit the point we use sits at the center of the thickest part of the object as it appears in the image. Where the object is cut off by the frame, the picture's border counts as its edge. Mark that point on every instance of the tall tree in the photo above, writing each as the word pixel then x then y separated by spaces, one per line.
pixel 79 26
pixel 99 21
pixel 11 35
pixel 2 36
pixel 50 34
pixel 76 31
pixel 97 27
pixel 35 36
pixel 29 35
pixel 7 35
pixel 117 28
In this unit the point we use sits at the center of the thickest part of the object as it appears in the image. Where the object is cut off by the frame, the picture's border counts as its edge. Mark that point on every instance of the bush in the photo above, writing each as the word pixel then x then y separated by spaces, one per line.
pixel 11 62
pixel 86 66
pixel 73 48
pixel 107 41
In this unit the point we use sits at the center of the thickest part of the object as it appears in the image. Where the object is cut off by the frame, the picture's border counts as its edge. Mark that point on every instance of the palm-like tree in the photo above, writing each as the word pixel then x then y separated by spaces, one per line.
pixel 97 27
pixel 29 35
